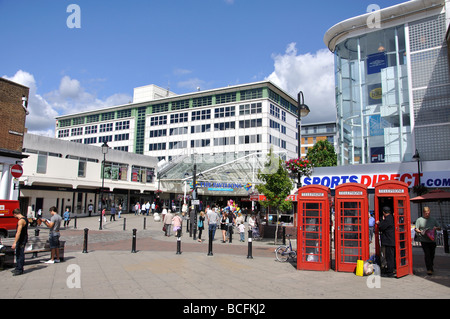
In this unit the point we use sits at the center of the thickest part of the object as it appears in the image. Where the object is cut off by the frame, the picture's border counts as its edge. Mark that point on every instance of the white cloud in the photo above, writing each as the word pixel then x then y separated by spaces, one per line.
pixel 70 98
pixel 311 73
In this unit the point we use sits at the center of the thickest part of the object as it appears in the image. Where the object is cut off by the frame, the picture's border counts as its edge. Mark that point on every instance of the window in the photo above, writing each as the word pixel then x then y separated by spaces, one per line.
pixel 202 101
pixel 103 139
pixel 178 130
pixel 63 133
pixel 92 118
pixel 142 174
pixel 224 141
pixel 158 120
pixel 250 139
pixel 157 147
pixel 201 115
pixel 179 105
pixel 158 133
pixel 123 113
pixel 116 171
pixel 90 129
pixel 274 111
pixel 108 116
pixel 224 126
pixel 42 163
pixel 158 108
pixel 226 98
pixel 178 118
pixel 250 123
pixel 124 125
pixel 201 128
pixel 177 145
pixel 224 111
pixel 253 108
pixel 200 143
pixel 76 131
pixel 82 168
pixel 251 94
pixel 90 140
pixel 108 127
pixel 122 137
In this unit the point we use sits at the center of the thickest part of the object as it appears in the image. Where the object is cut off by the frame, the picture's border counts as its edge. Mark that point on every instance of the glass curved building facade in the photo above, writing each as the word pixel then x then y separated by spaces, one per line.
pixel 392 84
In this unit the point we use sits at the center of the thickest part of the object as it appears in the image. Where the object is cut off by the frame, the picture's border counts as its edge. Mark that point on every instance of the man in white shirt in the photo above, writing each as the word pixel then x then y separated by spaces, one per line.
pixel 213 219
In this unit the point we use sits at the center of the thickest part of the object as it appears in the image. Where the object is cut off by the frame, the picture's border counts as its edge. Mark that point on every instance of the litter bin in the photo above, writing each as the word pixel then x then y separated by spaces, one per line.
pixel 6 257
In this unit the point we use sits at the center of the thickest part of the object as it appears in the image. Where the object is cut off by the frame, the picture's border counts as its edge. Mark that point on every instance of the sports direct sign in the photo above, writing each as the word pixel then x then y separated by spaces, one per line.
pixel 433 174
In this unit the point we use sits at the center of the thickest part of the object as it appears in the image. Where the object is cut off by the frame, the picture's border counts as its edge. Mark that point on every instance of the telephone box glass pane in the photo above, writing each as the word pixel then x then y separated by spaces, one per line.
pixel 350 231
pixel 312 228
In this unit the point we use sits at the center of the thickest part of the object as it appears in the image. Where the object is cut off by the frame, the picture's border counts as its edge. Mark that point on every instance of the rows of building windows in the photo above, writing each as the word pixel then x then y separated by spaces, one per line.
pixel 231 97
pixel 203 128
pixel 230 140
pixel 93 129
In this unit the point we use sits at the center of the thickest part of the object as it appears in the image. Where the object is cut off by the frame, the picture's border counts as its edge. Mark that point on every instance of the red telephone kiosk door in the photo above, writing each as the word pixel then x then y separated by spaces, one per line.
pixel 313 229
pixel 394 194
pixel 351 225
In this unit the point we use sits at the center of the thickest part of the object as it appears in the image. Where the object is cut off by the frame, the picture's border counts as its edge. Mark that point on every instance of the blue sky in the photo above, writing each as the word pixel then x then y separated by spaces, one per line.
pixel 181 44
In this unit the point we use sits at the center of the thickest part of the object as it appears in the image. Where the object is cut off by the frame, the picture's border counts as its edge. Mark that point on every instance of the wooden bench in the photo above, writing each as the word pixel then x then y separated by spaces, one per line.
pixel 34 246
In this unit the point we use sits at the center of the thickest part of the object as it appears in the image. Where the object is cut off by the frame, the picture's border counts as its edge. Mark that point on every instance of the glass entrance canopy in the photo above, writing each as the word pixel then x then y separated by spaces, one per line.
pixel 216 173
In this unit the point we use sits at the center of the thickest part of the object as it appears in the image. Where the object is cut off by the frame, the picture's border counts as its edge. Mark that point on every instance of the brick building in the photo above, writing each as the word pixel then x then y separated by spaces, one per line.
pixel 13 112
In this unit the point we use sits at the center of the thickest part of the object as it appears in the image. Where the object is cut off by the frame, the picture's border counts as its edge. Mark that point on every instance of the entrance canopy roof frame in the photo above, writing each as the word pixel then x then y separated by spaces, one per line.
pixel 218 167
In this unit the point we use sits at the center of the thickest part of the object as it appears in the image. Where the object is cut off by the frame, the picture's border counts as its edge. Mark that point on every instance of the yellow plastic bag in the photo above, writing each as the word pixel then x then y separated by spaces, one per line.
pixel 360 268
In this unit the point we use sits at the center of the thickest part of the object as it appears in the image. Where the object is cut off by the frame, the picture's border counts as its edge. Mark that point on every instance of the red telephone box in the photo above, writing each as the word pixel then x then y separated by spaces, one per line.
pixel 394 194
pixel 351 220
pixel 313 229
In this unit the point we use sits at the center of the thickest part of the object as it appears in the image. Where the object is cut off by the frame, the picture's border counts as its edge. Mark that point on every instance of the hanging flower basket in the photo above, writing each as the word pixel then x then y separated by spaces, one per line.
pixel 299 165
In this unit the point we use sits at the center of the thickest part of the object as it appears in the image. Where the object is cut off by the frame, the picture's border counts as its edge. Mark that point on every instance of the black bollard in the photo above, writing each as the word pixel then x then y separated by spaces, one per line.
pixel 284 235
pixel 133 245
pixel 145 222
pixel 210 243
pixel 249 255
pixel 85 244
pixel 230 230
pixel 179 242
pixel 124 223
pixel 75 223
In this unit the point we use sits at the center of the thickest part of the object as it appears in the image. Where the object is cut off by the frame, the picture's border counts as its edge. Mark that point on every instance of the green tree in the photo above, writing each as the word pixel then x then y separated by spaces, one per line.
pixel 277 186
pixel 322 154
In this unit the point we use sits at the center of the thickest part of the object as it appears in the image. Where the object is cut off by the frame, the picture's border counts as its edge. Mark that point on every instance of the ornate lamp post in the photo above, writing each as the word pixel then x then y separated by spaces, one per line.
pixel 105 148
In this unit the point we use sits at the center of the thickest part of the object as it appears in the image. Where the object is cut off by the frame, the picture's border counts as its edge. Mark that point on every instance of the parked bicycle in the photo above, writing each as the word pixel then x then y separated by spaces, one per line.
pixel 284 252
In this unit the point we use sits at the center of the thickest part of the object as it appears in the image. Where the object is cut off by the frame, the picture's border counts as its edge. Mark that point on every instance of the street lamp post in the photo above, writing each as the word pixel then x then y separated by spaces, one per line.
pixel 105 148
pixel 303 110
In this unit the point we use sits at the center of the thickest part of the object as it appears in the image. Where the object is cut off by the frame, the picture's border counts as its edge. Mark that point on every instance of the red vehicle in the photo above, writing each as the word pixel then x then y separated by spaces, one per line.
pixel 8 222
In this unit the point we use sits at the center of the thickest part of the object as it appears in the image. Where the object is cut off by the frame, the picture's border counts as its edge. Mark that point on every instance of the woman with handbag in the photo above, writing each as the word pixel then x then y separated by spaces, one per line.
pixel 426 227
pixel 201 225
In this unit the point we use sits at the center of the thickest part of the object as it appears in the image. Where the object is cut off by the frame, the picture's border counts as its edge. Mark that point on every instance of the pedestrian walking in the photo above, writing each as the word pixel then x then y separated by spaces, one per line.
pixel 241 228
pixel 66 217
pixel 177 223
pixel 120 210
pixel 201 225
pixel 113 213
pixel 167 222
pixel 224 226
pixel 425 228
